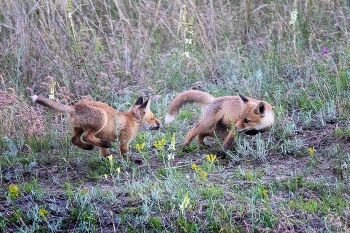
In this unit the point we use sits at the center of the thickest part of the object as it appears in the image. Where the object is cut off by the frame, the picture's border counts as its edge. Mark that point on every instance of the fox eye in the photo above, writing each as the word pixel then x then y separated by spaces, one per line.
pixel 246 120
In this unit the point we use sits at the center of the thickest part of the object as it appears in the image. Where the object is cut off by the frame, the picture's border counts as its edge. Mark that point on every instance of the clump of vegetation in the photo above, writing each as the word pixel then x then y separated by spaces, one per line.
pixel 293 178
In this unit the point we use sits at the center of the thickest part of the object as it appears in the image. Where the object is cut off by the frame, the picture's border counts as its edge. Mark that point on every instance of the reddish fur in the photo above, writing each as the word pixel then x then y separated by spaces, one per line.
pixel 97 124
pixel 220 114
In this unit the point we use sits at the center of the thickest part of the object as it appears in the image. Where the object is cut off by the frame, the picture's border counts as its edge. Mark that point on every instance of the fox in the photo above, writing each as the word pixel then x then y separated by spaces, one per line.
pixel 97 124
pixel 222 117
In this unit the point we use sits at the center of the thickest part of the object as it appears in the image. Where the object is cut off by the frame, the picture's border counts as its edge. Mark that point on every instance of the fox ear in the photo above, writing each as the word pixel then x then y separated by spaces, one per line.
pixel 244 99
pixel 145 104
pixel 148 107
pixel 139 100
pixel 260 109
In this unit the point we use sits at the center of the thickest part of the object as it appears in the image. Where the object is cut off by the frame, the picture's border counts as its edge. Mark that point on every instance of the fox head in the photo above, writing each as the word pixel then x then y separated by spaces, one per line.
pixel 143 109
pixel 254 116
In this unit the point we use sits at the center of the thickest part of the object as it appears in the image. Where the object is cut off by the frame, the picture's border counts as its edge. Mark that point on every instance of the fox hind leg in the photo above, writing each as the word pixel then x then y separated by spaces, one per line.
pixel 201 130
pixel 77 132
pixel 124 147
pixel 89 137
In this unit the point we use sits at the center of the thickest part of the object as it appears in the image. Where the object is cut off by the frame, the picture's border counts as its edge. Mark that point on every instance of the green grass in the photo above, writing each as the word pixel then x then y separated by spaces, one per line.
pixel 294 177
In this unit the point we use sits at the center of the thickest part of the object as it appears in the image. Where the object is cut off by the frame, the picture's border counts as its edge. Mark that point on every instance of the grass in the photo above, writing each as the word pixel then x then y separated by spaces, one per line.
pixel 294 178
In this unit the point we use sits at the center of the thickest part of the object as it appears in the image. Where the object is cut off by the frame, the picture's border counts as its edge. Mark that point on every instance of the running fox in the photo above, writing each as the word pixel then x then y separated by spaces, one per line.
pixel 223 116
pixel 97 124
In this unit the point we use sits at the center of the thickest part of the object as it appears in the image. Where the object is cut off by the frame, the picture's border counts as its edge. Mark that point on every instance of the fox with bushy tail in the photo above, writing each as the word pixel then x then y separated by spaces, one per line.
pixel 223 116
pixel 97 124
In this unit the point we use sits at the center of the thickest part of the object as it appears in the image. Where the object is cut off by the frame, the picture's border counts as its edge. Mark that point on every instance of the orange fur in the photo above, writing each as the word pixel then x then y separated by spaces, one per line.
pixel 220 114
pixel 97 124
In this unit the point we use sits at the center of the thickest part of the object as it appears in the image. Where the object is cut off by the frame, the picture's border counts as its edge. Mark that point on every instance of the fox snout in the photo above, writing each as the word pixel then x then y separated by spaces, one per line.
pixel 245 129
pixel 157 124
pixel 251 130
pixel 151 125
pixel 155 127
pixel 240 129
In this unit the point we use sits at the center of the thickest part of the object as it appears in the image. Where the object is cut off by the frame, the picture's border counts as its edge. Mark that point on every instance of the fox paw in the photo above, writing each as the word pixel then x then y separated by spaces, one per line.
pixel 138 161
pixel 221 154
pixel 106 144
pixel 89 147
pixel 85 146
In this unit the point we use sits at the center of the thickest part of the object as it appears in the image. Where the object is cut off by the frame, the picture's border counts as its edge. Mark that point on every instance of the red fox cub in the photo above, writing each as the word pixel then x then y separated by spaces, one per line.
pixel 97 124
pixel 219 115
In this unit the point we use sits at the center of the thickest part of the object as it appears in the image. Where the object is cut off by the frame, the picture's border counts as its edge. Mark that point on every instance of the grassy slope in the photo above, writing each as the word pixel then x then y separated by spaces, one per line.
pixel 291 179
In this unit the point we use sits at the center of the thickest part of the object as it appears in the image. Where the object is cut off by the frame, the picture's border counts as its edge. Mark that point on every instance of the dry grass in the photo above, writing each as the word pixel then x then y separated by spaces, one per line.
pixel 18 119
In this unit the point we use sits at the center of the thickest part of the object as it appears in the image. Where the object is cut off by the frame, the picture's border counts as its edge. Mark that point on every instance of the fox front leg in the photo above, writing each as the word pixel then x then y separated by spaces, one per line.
pixel 228 140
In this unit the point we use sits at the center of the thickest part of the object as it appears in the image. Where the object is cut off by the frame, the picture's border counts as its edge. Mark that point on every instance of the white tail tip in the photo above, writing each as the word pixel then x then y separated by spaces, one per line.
pixel 34 98
pixel 169 118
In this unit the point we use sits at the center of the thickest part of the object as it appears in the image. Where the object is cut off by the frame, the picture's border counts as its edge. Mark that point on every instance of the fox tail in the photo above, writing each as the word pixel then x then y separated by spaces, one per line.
pixel 192 96
pixel 61 108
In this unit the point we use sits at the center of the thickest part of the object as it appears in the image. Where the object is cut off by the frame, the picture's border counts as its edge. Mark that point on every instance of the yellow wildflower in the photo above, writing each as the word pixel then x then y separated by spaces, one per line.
pixel 106 176
pixel 110 158
pixel 13 191
pixel 201 173
pixel 210 158
pixel 140 147
pixel 118 170
pixel 311 150
pixel 42 212
pixel 159 144
pixel 265 192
